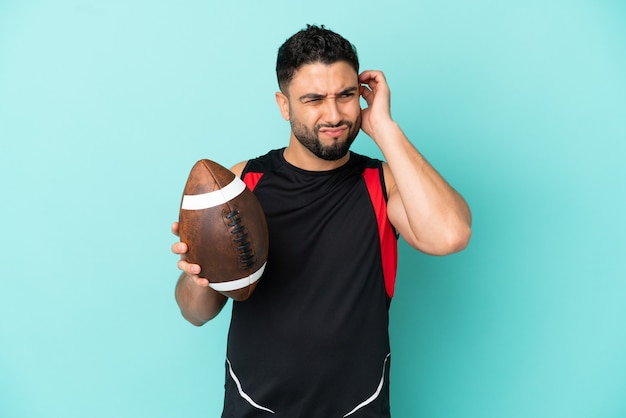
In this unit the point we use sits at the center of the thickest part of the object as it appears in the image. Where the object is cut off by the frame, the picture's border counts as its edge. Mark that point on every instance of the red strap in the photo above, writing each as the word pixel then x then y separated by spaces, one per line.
pixel 386 232
pixel 251 179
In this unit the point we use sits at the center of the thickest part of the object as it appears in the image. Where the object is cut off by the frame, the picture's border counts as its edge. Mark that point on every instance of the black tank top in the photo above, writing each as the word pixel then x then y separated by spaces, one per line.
pixel 312 340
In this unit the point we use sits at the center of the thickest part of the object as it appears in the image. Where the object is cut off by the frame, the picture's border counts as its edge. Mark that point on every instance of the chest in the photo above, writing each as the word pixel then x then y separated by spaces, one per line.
pixel 310 213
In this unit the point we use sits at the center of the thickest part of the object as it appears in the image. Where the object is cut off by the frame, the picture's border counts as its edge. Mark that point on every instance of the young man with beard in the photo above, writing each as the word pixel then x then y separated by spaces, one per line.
pixel 312 340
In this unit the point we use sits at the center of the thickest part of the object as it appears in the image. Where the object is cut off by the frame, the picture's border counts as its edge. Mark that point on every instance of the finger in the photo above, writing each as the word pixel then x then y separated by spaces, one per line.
pixel 201 281
pixel 366 93
pixel 179 248
pixel 193 269
pixel 189 268
pixel 182 265
pixel 365 76
pixel 371 85
pixel 175 228
pixel 374 79
pixel 370 76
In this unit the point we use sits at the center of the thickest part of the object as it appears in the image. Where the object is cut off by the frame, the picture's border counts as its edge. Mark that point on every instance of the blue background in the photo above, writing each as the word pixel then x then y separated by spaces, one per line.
pixel 106 105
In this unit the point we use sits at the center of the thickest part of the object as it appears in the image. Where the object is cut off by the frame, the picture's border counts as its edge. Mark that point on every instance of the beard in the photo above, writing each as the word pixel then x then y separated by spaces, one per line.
pixel 311 140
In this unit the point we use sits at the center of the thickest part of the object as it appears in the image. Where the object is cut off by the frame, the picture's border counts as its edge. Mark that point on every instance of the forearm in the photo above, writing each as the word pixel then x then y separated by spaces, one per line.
pixel 436 219
pixel 198 304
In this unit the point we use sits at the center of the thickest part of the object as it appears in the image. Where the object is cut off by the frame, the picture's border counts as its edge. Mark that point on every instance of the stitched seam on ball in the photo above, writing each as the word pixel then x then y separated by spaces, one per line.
pixel 240 237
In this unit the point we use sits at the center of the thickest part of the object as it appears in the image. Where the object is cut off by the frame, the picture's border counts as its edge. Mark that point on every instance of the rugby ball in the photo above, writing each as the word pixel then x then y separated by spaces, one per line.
pixel 225 229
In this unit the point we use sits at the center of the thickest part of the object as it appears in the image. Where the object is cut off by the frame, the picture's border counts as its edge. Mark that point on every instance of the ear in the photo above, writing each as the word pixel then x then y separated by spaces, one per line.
pixel 283 104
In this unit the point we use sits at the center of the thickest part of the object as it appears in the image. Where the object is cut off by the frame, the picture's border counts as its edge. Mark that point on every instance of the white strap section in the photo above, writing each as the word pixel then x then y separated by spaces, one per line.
pixel 244 394
pixel 375 395
pixel 215 198
pixel 239 283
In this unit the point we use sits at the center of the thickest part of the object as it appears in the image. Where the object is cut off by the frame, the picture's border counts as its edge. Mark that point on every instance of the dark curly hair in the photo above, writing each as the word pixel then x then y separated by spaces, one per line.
pixel 311 45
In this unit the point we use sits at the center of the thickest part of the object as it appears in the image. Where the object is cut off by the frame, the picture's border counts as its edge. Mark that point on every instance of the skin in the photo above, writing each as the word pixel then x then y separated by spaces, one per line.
pixel 425 210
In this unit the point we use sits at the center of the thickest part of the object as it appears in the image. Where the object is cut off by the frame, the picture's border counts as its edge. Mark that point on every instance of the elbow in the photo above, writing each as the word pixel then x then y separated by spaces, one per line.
pixel 449 242
pixel 458 234
pixel 199 317
pixel 196 318
pixel 460 239
pixel 193 316
pixel 195 321
pixel 456 239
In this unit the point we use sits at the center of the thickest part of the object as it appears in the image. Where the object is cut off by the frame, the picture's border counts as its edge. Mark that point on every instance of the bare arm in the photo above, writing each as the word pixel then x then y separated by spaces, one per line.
pixel 198 303
pixel 429 214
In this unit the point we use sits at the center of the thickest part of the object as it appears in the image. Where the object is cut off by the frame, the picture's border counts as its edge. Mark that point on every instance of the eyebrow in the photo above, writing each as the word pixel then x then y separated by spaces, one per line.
pixel 316 96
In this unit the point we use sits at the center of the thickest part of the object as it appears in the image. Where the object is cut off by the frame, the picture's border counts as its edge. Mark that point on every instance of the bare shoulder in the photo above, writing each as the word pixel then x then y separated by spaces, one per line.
pixel 238 168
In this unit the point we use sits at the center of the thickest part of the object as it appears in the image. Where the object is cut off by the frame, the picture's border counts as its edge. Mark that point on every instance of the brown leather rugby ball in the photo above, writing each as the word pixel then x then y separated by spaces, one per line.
pixel 224 226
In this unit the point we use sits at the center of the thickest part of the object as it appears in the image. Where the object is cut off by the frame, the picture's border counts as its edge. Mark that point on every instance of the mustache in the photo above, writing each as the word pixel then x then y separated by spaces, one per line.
pixel 333 125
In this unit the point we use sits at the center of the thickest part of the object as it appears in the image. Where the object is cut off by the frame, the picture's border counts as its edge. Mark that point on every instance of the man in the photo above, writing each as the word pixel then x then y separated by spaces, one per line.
pixel 312 340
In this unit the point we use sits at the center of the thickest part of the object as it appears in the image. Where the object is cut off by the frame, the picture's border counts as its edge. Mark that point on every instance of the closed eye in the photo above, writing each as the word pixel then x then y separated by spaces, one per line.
pixel 346 96
pixel 311 98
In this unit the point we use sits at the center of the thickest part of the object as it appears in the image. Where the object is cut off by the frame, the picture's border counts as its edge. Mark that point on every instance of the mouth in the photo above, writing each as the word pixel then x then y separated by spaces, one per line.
pixel 335 131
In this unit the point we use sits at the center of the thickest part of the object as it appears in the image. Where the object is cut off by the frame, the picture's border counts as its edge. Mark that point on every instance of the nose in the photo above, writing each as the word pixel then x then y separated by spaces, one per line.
pixel 332 113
